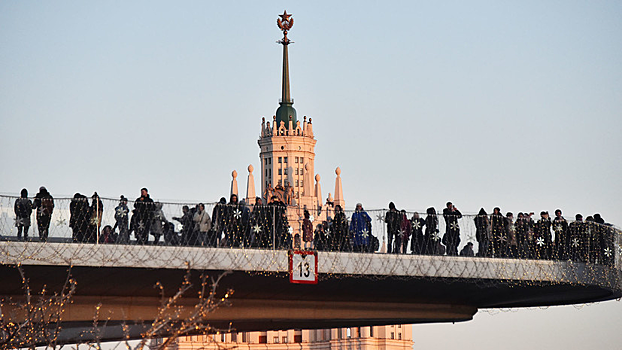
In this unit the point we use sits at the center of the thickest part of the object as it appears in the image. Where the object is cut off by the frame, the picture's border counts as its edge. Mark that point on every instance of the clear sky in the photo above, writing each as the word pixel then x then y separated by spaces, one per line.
pixel 510 104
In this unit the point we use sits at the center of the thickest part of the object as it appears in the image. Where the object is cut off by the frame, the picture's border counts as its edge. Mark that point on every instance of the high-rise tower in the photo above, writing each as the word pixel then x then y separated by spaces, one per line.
pixel 287 146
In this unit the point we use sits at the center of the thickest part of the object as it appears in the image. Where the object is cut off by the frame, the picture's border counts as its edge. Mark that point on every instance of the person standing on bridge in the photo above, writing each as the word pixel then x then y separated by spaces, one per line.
pixel 96 212
pixel 261 225
pixel 44 204
pixel 512 249
pixel 158 223
pixel 498 233
pixel 360 228
pixel 121 217
pixel 394 221
pixel 560 226
pixel 482 233
pixel 219 215
pixel 404 233
pixel 23 210
pixel 143 214
pixel 521 230
pixel 542 235
pixel 187 224
pixel 281 236
pixel 307 230
pixel 578 240
pixel 234 222
pixel 451 214
pixel 203 224
pixel 417 245
pixel 431 239
pixel 341 236
pixel 79 217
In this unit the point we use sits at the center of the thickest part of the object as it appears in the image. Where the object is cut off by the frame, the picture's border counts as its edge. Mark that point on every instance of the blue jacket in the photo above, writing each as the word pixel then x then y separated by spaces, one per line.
pixel 360 228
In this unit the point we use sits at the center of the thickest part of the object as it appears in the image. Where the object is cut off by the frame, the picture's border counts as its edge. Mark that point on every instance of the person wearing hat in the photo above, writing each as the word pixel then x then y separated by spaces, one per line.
pixel 79 217
pixel 144 208
pixel 394 221
pixel 121 217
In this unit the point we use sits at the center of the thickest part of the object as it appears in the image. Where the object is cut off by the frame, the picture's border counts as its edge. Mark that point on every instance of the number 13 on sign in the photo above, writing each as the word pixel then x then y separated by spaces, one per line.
pixel 302 267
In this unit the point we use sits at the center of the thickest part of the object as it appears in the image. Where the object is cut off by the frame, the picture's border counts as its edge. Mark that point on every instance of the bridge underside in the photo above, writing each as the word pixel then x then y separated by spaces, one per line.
pixel 269 302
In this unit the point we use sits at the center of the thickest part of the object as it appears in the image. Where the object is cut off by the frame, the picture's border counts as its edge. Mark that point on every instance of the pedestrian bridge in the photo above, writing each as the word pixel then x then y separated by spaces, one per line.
pixel 116 283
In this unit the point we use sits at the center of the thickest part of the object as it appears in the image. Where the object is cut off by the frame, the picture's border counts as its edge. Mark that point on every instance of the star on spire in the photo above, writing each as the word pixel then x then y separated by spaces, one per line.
pixel 285 16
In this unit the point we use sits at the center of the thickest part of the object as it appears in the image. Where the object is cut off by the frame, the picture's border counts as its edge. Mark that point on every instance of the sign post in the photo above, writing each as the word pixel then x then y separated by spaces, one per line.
pixel 302 266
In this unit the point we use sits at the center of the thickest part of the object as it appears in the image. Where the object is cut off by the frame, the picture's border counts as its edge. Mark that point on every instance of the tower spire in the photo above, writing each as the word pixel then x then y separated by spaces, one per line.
pixel 285 22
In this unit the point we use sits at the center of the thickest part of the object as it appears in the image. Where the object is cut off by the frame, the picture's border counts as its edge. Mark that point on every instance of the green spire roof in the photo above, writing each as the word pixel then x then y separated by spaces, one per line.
pixel 286 108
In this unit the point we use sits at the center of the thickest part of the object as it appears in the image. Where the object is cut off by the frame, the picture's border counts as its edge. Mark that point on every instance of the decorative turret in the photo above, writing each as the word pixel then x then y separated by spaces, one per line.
pixel 338 189
pixel 286 108
pixel 234 183
pixel 250 186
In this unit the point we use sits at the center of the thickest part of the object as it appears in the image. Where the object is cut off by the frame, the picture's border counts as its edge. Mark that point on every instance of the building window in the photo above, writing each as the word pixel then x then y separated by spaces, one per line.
pixel 234 337
pixel 348 333
pixel 275 340
pixel 392 335
pixel 399 326
pixel 285 171
pixel 280 171
pixel 297 338
pixel 371 331
pixel 266 172
pixel 399 336
pixel 296 171
pixel 222 337
pixel 301 180
pixel 263 339
pixel 244 337
pixel 285 160
pixel 301 171
pixel 265 161
pixel 269 160
pixel 285 339
pixel 297 183
pixel 296 159
pixel 280 182
pixel 280 160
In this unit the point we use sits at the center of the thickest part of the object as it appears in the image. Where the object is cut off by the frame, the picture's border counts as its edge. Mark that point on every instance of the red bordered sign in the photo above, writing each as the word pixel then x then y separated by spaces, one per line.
pixel 302 266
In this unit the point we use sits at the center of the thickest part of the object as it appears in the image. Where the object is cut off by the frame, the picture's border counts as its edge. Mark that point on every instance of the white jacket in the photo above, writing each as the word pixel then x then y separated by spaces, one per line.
pixel 203 220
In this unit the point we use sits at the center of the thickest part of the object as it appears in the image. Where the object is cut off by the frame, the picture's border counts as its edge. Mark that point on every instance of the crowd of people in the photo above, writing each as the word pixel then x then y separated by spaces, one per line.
pixel 236 224
pixel 503 236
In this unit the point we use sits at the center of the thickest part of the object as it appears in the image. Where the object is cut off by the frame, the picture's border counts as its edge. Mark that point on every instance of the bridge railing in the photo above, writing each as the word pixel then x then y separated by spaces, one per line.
pixel 273 227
